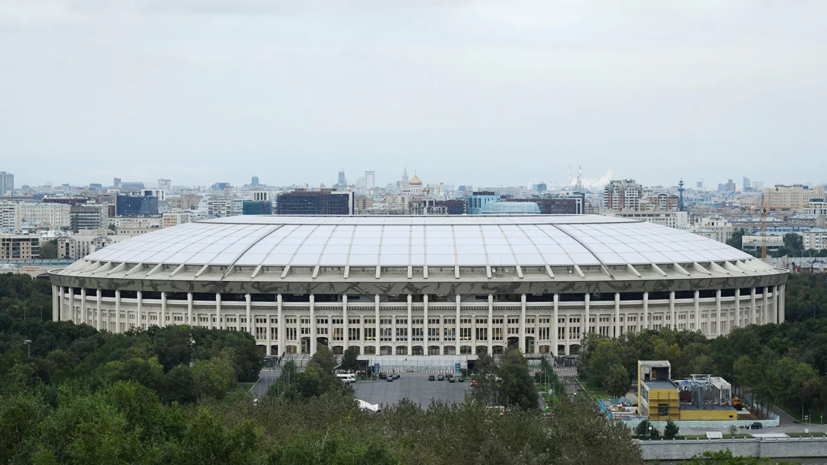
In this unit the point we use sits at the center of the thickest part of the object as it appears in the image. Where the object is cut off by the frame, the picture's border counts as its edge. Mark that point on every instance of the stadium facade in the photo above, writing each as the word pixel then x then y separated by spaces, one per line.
pixel 421 285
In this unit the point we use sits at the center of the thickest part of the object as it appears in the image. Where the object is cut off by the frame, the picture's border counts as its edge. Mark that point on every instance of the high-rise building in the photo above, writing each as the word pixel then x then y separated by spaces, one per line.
pixel 254 182
pixel 370 180
pixel 622 195
pixel 323 202
pixel 747 184
pixel 728 187
pixel 478 200
pixel 341 183
pixel 6 183
pixel 135 205
pixel 19 246
pixel 89 217
pixel 165 185
pixel 116 183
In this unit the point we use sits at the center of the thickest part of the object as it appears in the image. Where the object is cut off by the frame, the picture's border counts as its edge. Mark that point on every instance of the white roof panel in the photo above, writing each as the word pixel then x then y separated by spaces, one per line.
pixel 433 240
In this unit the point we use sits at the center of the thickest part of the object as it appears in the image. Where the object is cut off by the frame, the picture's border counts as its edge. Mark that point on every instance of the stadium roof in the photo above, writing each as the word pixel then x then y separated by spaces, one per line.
pixel 399 241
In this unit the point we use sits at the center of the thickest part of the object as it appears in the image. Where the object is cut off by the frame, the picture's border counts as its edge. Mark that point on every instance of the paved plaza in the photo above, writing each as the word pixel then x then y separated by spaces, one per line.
pixel 414 386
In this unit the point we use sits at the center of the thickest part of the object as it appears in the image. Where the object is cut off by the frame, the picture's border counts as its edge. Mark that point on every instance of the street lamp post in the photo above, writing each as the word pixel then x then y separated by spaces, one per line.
pixel 28 343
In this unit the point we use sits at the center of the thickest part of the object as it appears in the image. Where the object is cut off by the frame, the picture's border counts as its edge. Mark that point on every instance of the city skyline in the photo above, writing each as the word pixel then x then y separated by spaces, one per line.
pixel 205 91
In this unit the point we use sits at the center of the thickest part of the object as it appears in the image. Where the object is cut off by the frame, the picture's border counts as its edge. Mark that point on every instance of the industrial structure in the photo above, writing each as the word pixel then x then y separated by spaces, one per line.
pixel 702 397
pixel 401 285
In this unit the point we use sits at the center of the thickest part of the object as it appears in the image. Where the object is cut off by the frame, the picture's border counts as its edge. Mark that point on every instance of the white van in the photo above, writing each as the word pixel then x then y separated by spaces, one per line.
pixel 347 378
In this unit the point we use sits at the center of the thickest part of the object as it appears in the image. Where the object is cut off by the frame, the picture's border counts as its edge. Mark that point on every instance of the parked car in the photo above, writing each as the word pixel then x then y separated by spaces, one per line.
pixel 431 378
pixel 473 382
pixel 460 379
pixel 440 377
pixel 389 378
pixel 396 376
pixel 382 375
pixel 756 425
pixel 451 378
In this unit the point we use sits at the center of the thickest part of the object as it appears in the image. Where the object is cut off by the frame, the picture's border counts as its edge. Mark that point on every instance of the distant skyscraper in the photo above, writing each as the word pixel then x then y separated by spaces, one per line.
pixel 747 183
pixel 165 184
pixel 341 184
pixel 6 183
pixel 116 183
pixel 370 180
pixel 254 182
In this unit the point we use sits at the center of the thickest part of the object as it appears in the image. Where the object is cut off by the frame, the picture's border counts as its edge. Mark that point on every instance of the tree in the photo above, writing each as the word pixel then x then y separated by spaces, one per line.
pixel 48 249
pixel 487 389
pixel 517 387
pixel 617 381
pixel 178 385
pixel 642 428
pixel 671 430
pixel 324 359
pixel 737 239
pixel 350 360
pixel 212 378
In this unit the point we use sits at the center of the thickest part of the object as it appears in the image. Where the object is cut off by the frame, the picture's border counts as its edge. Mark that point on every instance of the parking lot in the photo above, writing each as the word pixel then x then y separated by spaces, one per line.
pixel 414 386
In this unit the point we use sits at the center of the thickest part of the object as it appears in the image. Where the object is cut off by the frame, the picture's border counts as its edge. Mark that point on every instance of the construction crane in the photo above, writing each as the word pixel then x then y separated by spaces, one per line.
pixel 764 227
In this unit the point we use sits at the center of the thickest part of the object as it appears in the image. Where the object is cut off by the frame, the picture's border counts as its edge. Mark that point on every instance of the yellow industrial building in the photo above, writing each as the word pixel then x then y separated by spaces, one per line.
pixel 702 397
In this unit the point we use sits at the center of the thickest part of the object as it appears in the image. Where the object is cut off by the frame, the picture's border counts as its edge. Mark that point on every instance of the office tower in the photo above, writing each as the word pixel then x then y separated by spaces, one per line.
pixel 6 183
pixel 323 202
pixel 370 180
pixel 136 205
pixel 165 184
pixel 254 182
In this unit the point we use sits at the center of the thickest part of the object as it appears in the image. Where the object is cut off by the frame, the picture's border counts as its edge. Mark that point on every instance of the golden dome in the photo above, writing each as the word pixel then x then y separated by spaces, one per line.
pixel 415 181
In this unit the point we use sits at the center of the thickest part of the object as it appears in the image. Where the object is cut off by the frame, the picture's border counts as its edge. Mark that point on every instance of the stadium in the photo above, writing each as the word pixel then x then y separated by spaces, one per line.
pixel 424 285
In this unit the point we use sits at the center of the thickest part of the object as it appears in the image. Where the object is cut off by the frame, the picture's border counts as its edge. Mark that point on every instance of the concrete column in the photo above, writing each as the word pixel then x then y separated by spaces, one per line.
pixel 775 312
pixel 55 303
pixel 189 309
pixel 765 312
pixel 522 340
pixel 361 334
pixel 718 309
pixel 313 324
pixel 163 316
pixel 554 325
pixel 586 323
pixel 566 334
pixel 647 324
pixel 84 313
pixel 345 335
pixel 118 311
pixel 99 323
pixel 410 324
pixel 490 324
pixel 249 312
pixel 378 336
pixel 140 314
pixel 425 323
pixel 697 311
pixel 72 305
pixel 457 341
pixel 281 333
pixel 673 318
pixel 737 308
pixel 473 334
pixel 617 314
pixel 268 337
pixel 218 311
pixel 782 314
pixel 753 311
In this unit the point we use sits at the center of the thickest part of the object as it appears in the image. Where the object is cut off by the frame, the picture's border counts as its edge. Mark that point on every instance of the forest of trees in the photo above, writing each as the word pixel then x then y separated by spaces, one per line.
pixel 161 396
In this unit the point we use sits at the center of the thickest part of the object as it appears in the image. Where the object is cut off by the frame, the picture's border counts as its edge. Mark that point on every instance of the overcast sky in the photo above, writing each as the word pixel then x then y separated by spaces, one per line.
pixel 468 92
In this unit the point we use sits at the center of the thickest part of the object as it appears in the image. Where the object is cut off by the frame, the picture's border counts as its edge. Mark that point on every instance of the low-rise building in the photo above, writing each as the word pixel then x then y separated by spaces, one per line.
pixel 815 239
pixel 135 226
pixel 176 218
pixel 86 242
pixel 676 220
pixel 715 228
pixel 19 246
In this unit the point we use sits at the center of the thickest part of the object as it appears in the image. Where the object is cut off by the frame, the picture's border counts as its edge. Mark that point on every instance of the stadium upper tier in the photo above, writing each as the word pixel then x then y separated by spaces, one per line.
pixel 466 241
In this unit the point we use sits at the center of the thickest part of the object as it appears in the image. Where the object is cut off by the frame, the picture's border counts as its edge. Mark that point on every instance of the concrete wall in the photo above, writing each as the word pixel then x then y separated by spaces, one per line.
pixel 755 447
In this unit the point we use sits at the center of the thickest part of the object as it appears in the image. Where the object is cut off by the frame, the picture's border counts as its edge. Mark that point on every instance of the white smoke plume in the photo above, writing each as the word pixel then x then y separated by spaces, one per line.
pixel 591 183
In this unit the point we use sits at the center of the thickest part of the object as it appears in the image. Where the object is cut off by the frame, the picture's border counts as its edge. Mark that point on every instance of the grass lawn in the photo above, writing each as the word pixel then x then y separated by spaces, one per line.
pixel 815 420
pixel 807 435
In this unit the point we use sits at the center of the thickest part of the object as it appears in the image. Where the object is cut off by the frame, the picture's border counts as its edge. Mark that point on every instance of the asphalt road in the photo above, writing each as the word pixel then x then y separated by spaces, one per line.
pixel 414 386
